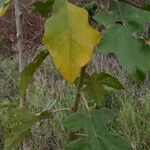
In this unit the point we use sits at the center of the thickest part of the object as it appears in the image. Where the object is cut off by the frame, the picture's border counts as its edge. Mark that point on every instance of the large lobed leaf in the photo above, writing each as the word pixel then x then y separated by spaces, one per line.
pixel 121 23
pixel 94 84
pixel 26 76
pixel 22 121
pixel 69 38
pixel 94 123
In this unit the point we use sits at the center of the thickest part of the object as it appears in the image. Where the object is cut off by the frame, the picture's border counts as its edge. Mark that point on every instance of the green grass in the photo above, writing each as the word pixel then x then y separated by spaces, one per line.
pixel 133 118
pixel 9 78
pixel 49 91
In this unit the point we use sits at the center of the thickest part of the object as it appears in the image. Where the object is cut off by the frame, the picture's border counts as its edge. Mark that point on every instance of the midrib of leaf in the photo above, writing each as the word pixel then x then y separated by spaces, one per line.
pixel 93 128
pixel 69 29
pixel 71 40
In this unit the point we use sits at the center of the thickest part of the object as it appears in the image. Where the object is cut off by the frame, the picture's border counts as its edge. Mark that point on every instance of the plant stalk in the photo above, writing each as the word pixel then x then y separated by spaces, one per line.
pixel 79 90
pixel 78 98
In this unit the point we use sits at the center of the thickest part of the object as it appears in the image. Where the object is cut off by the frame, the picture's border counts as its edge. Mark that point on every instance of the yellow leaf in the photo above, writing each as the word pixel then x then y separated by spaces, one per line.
pixel 3 9
pixel 69 38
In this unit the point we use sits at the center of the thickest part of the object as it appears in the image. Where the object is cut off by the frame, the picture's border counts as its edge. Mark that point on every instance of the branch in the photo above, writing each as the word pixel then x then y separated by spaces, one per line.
pixel 79 90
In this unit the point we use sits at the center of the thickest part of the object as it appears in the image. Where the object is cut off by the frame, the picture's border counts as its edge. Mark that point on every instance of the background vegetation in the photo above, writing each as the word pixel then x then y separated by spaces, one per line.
pixel 132 106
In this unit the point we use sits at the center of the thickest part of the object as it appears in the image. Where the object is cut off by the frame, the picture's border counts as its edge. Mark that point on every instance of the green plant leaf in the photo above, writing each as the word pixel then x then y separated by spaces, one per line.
pixel 43 8
pixel 95 126
pixel 96 82
pixel 26 76
pixel 22 121
pixel 72 123
pixel 119 38
pixel 69 38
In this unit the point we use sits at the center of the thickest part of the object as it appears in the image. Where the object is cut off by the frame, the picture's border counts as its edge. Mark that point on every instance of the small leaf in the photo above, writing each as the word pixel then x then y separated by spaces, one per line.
pixel 27 74
pixel 69 38
pixel 94 84
pixel 22 121
pixel 43 8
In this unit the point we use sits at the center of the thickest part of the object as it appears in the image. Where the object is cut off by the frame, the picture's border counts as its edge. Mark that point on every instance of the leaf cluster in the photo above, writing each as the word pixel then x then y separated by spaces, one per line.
pixel 22 121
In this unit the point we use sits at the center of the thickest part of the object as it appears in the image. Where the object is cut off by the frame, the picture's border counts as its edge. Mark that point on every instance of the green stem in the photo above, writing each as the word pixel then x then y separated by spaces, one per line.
pixel 78 99
pixel 79 90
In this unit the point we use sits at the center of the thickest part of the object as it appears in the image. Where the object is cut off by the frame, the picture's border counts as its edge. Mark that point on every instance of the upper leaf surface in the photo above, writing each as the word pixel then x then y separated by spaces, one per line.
pixel 133 53
pixel 69 38
pixel 94 84
pixel 94 124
